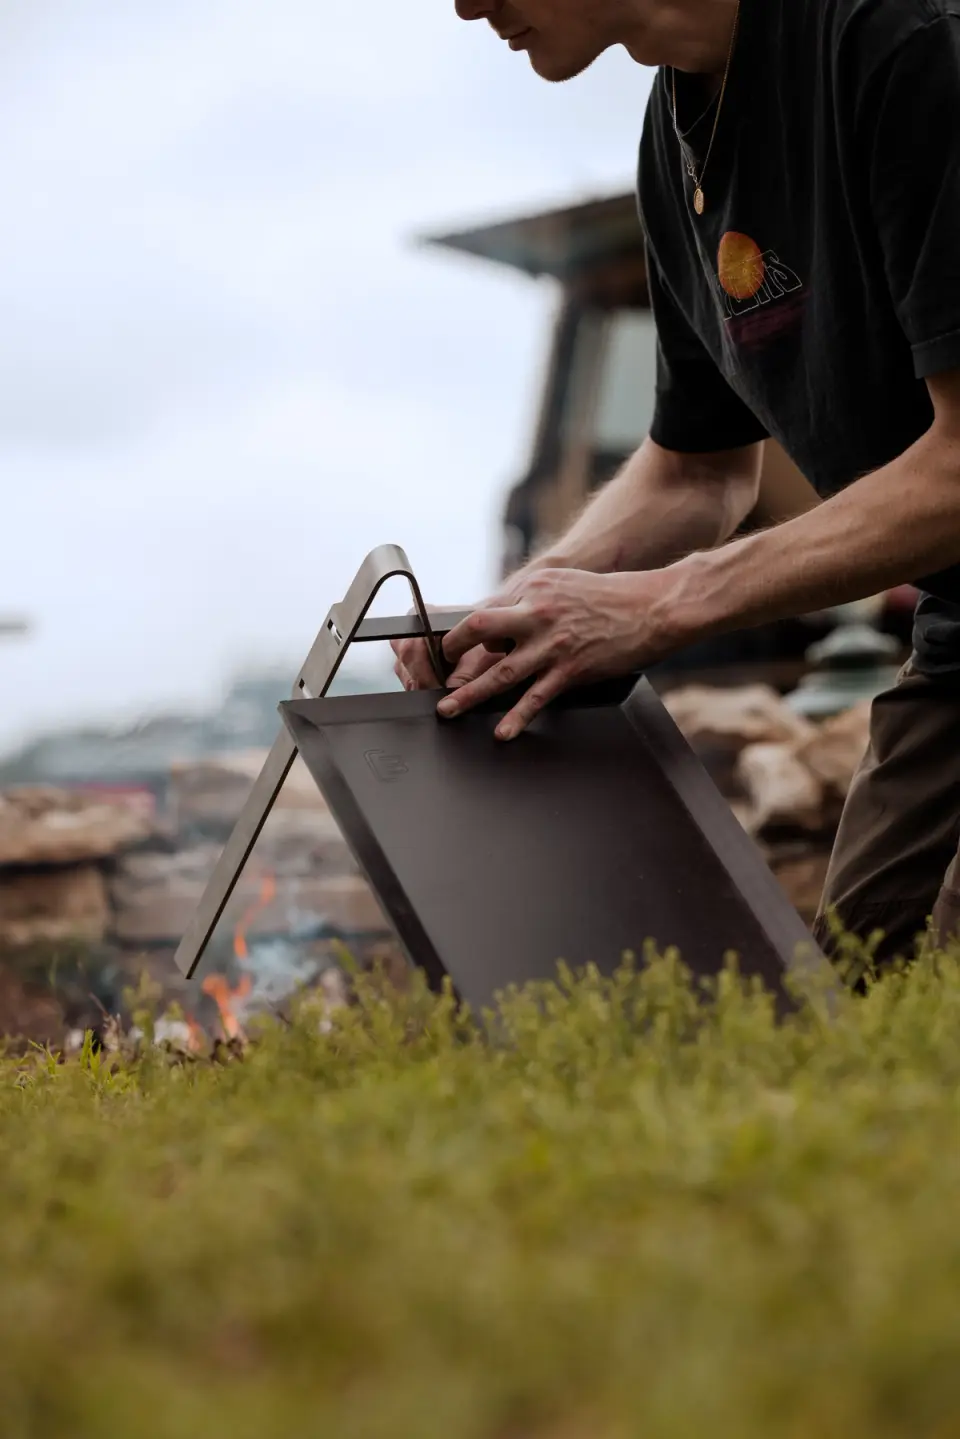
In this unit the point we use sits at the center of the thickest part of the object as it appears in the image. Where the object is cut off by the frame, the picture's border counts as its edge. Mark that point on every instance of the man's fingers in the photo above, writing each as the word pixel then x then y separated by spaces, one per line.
pixel 472 648
pixel 414 667
pixel 546 688
pixel 414 657
pixel 486 627
pixel 519 665
pixel 503 676
pixel 474 663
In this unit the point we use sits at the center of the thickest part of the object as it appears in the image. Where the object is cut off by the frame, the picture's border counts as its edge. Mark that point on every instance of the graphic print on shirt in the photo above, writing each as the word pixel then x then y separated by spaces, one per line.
pixel 760 295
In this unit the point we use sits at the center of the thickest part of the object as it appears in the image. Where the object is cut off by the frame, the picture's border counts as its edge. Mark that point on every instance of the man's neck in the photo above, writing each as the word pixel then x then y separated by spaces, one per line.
pixel 689 35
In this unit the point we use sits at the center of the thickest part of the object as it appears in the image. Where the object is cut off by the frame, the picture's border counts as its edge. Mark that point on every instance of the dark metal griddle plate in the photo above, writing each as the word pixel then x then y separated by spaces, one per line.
pixel 592 833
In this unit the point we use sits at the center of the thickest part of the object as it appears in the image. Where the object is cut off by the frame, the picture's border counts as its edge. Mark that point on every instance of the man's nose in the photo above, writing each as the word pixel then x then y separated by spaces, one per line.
pixel 477 9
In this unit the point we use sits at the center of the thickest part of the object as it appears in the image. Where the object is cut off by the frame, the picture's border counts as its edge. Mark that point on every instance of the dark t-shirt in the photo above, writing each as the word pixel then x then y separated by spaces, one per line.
pixel 821 285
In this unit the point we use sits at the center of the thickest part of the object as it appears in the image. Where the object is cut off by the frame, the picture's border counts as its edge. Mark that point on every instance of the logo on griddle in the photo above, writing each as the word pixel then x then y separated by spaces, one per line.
pixel 386 767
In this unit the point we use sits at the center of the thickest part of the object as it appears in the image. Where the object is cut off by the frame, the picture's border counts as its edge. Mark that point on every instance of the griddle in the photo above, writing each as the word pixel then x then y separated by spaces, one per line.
pixel 594 833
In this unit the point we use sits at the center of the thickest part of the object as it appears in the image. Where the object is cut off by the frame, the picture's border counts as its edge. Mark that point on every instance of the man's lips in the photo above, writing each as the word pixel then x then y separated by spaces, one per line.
pixel 518 41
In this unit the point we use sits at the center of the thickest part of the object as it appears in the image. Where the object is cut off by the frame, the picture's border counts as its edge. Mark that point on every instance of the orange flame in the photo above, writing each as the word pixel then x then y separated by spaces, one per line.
pixel 268 893
pixel 218 988
pixel 197 1039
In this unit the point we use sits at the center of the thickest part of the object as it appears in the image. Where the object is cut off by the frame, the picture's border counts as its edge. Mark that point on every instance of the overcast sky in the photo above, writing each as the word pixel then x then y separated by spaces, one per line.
pixel 226 371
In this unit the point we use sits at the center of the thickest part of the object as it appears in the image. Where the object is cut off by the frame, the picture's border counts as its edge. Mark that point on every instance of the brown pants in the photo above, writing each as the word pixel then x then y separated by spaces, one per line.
pixel 895 865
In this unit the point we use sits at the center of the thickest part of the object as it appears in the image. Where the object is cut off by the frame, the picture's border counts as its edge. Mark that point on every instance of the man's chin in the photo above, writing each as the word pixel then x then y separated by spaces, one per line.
pixel 557 68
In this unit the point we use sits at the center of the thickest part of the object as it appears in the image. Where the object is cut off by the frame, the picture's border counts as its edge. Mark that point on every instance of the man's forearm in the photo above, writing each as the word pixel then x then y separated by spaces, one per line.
pixel 889 528
pixel 660 507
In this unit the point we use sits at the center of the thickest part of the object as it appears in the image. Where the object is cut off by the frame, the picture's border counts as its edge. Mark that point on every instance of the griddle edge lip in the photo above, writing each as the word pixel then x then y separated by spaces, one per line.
pixel 416 704
pixel 736 852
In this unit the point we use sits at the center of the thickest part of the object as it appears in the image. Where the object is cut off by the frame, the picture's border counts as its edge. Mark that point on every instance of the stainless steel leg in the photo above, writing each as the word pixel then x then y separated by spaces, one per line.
pixel 315 677
pixel 236 852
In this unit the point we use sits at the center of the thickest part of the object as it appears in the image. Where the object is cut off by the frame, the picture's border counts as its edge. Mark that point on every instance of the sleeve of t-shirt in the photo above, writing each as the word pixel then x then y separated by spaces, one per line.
pixel 909 134
pixel 696 411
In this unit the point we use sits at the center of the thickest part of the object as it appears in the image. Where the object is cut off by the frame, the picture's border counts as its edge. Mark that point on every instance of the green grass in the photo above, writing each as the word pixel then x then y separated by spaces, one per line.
pixel 639 1213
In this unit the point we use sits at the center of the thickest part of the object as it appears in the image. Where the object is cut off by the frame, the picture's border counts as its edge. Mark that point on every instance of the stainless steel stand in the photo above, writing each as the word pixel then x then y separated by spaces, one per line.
pixel 345 625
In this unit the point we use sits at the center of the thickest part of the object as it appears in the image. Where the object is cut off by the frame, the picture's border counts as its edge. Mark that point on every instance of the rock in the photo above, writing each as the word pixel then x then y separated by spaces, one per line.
pixel 783 792
pixel 802 876
pixel 158 868
pixel 303 841
pixel 742 813
pixel 388 960
pixel 28 1013
pixel 328 995
pixel 732 718
pixel 42 825
pixel 209 794
pixel 347 902
pixel 175 1035
pixel 836 748
pixel 52 906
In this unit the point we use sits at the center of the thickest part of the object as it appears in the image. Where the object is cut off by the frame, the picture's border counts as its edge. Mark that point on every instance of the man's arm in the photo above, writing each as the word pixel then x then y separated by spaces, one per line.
pixel 886 529
pixel 660 507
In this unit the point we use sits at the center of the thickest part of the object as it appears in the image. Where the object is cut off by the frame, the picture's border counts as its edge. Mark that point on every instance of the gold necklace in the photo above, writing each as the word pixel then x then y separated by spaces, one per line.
pixel 699 199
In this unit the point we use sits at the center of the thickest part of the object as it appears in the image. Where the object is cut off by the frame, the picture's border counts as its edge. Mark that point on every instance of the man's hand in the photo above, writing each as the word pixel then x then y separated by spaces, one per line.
pixel 413 668
pixel 415 672
pixel 569 627
pixel 660 506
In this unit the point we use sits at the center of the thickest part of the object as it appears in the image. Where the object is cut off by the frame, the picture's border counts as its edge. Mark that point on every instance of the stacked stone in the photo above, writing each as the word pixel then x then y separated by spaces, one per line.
pixel 785 777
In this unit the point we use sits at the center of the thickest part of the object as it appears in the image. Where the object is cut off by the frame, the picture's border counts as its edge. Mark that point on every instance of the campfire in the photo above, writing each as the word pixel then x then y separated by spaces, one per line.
pixel 268 893
pixel 265 973
pixel 228 1002
pixel 230 999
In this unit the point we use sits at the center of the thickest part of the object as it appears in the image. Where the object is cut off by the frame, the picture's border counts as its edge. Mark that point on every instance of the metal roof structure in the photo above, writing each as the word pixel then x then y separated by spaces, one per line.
pixel 14 627
pixel 560 243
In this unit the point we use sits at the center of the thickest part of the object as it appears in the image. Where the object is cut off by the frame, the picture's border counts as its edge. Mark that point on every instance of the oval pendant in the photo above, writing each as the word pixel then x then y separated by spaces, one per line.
pixel 698 200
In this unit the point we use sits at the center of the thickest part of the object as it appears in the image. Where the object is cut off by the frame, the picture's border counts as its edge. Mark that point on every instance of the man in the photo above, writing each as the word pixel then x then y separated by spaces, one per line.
pixel 799 188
